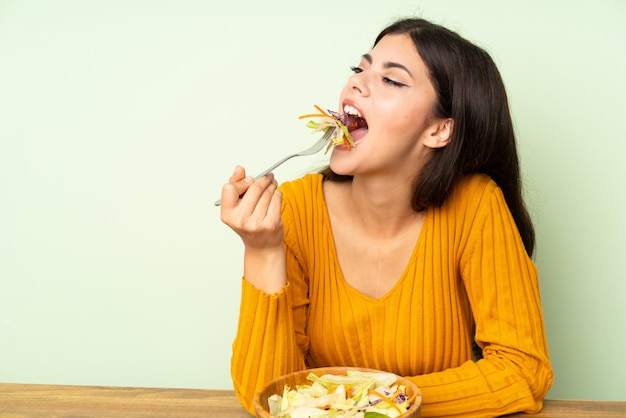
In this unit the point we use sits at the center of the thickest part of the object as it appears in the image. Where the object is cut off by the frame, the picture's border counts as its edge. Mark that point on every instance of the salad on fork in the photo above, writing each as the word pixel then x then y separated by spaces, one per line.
pixel 341 124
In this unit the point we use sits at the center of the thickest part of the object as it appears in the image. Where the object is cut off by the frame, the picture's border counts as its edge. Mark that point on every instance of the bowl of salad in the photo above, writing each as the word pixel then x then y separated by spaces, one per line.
pixel 339 392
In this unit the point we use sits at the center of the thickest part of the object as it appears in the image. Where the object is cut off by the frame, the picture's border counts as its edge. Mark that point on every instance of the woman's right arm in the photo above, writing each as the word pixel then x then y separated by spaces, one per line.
pixel 270 338
pixel 252 209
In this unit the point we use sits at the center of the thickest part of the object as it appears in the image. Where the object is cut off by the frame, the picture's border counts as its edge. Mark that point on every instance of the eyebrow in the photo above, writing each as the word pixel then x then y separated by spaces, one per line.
pixel 388 64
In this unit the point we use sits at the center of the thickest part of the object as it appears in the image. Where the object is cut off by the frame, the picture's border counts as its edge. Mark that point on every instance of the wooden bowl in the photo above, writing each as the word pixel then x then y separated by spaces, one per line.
pixel 276 386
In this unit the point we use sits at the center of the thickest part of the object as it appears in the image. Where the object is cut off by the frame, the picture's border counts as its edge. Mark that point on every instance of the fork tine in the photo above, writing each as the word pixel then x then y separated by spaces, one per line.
pixel 313 149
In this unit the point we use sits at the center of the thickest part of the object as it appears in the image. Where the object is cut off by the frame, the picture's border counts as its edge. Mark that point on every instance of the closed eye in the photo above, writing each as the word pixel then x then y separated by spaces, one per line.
pixel 393 82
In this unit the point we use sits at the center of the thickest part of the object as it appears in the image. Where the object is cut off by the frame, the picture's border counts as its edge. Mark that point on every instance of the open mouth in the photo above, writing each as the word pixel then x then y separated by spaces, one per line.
pixel 347 128
pixel 351 118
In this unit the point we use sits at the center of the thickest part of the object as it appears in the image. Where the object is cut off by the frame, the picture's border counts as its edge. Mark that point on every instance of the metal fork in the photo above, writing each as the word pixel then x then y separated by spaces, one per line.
pixel 313 149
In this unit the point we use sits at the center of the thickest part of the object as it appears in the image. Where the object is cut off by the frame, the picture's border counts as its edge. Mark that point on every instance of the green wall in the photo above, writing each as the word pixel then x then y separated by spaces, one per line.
pixel 120 121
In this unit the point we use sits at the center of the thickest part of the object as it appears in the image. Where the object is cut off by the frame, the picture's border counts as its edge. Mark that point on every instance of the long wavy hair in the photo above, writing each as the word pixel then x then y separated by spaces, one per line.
pixel 469 90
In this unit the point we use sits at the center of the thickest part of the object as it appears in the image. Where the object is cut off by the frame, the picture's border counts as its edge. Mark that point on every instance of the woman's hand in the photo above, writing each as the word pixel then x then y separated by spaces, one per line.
pixel 252 209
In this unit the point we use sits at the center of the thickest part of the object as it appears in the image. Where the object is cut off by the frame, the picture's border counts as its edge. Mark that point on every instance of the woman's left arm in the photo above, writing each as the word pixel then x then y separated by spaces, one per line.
pixel 502 286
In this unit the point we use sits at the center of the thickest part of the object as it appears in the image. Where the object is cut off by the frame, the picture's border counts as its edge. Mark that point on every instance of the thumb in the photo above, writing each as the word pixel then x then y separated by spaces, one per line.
pixel 233 190
pixel 238 174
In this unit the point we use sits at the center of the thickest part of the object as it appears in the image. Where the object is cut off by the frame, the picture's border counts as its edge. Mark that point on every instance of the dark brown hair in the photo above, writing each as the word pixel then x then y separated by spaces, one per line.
pixel 469 90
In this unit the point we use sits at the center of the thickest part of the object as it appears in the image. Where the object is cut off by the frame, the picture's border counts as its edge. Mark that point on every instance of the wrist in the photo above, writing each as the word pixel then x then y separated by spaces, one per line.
pixel 265 268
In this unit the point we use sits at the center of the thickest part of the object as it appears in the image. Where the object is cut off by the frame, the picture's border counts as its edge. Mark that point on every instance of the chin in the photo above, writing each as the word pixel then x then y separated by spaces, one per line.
pixel 340 167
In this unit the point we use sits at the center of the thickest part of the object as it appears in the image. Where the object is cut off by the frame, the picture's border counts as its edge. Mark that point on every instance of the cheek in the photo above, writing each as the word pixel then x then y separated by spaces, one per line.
pixel 406 132
pixel 405 124
pixel 414 120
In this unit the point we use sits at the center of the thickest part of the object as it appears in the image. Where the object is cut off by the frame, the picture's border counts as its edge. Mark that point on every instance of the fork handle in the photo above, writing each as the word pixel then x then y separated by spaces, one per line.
pixel 268 170
pixel 313 149
pixel 262 173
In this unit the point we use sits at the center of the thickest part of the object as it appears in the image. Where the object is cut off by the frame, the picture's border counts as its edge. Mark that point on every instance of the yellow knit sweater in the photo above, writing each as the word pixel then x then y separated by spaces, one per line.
pixel 469 278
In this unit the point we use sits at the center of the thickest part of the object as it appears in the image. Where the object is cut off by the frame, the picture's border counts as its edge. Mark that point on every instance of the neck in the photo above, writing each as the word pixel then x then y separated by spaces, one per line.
pixel 382 206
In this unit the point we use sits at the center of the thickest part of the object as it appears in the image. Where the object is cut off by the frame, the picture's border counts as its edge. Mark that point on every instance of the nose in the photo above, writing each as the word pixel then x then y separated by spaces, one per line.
pixel 358 84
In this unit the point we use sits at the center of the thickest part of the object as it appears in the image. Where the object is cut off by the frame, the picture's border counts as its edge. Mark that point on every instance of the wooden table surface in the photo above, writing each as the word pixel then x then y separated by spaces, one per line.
pixel 37 401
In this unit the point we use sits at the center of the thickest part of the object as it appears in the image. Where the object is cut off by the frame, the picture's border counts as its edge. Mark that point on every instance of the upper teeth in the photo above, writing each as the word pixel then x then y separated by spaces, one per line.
pixel 350 110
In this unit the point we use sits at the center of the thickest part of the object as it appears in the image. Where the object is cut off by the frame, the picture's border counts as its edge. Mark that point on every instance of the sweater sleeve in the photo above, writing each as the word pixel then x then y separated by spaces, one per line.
pixel 501 282
pixel 270 339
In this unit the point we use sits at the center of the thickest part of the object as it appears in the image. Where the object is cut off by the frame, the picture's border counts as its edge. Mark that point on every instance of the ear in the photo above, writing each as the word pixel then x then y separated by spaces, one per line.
pixel 440 133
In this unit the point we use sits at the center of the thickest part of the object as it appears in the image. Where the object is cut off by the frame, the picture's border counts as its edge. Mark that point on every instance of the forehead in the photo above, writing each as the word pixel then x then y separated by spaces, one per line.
pixel 398 50
pixel 398 45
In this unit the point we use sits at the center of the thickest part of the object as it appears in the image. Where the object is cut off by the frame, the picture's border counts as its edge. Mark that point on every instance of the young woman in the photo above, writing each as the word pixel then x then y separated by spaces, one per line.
pixel 411 252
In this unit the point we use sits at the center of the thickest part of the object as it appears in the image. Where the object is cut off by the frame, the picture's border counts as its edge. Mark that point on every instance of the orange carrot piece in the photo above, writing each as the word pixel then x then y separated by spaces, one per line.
pixel 316 115
pixel 311 115
pixel 321 110
pixel 412 398
pixel 385 399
